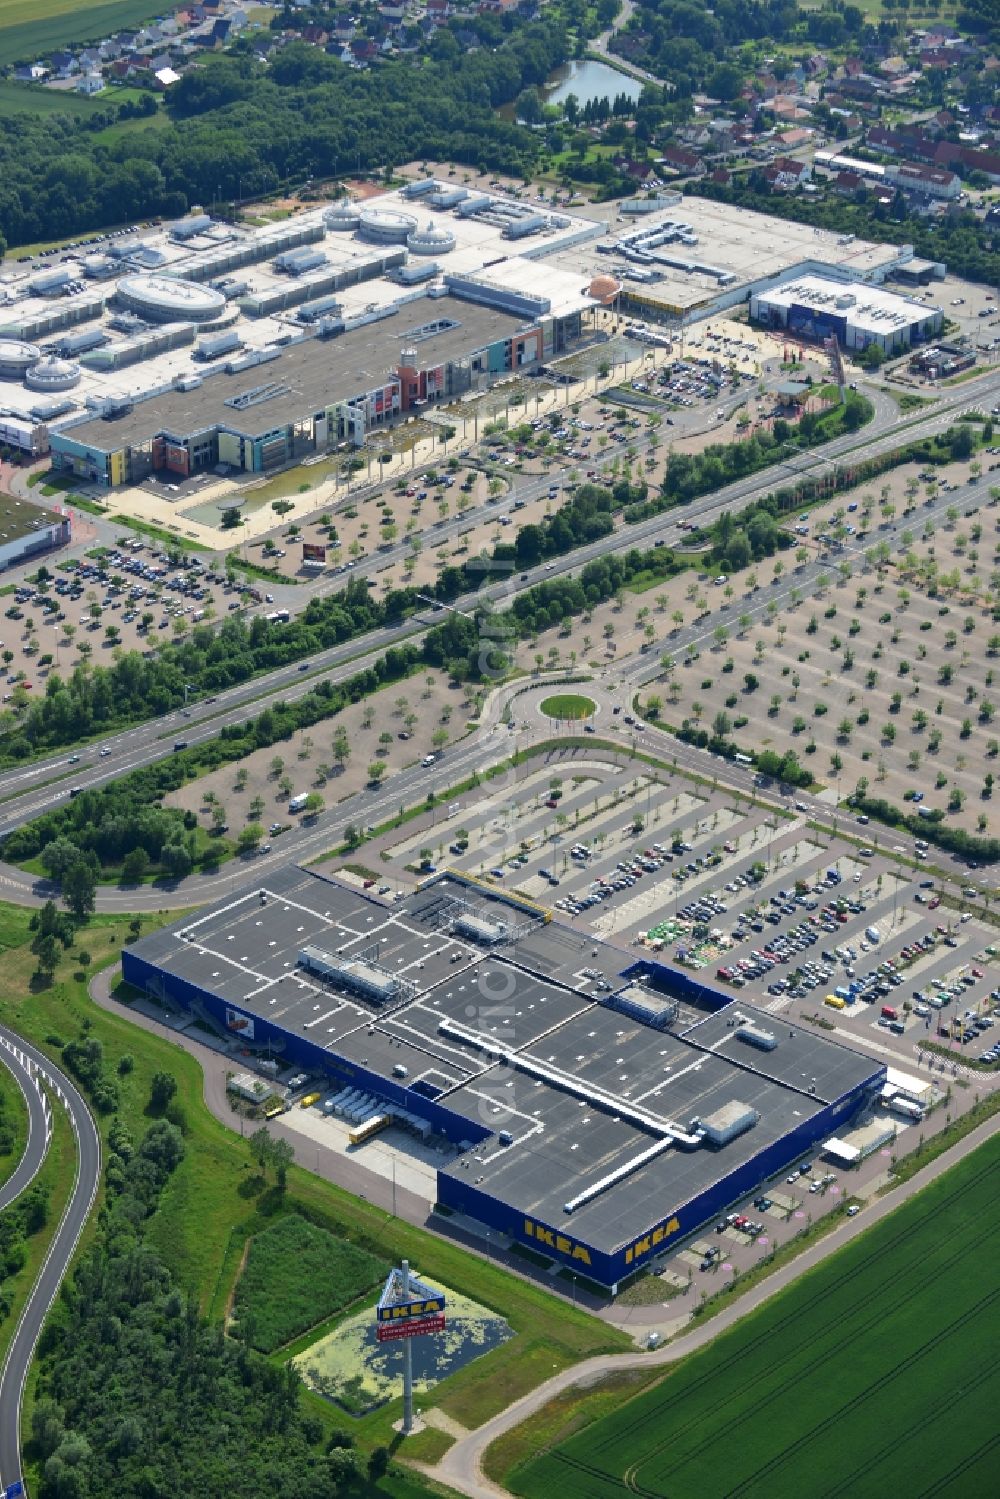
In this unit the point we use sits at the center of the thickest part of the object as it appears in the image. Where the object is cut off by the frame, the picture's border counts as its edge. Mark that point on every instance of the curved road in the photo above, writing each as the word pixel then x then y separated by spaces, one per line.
pixel 61 1250
pixel 461 1466
pixel 27 791
pixel 39 1122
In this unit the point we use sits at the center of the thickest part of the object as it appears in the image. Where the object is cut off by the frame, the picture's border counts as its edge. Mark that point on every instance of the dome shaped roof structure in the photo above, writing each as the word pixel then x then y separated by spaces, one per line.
pixel 168 299
pixel 385 226
pixel 433 239
pixel 16 357
pixel 604 289
pixel 52 374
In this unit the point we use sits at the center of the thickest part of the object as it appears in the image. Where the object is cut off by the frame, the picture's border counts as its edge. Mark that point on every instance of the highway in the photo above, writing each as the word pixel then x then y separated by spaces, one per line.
pixel 22 1346
pixel 39 1125
pixel 27 791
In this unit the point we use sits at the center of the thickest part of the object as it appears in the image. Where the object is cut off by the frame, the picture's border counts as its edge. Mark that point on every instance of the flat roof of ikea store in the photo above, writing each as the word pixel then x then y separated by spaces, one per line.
pixel 519 1037
pixel 317 372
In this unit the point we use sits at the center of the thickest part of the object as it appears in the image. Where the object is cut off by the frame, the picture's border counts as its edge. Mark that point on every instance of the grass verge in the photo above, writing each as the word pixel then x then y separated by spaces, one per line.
pixel 861 1365
pixel 13 1125
pixel 57 1176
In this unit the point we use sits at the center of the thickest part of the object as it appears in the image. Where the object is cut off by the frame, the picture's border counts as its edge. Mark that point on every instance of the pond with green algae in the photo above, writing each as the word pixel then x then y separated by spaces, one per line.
pixel 350 1367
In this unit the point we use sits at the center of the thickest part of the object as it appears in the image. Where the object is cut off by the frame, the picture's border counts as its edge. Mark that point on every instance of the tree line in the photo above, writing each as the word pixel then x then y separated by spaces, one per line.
pixel 690 475
pixel 933 828
pixel 240 127
pixel 137 1396
pixel 967 244
pixel 99 829
pixel 97 700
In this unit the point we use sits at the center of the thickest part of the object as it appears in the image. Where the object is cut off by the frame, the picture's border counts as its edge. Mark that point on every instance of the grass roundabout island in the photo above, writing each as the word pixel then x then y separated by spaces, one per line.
pixel 568 705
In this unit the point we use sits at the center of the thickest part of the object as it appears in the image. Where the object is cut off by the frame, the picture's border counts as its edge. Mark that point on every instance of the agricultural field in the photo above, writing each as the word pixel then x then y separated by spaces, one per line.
pixel 31 27
pixel 858 1376
pixel 295 1276
pixel 16 98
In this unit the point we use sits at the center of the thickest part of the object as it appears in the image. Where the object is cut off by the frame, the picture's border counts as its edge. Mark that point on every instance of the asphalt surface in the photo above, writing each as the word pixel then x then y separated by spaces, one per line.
pixel 461 1466
pixel 27 791
pixel 368 808
pixel 22 1346
pixel 39 1128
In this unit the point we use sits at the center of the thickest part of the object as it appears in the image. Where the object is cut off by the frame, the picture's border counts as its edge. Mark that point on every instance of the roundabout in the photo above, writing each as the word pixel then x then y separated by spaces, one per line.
pixel 568 706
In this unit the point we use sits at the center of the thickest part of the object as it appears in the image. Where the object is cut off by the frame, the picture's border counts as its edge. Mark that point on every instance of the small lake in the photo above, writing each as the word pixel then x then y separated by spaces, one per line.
pixel 587 80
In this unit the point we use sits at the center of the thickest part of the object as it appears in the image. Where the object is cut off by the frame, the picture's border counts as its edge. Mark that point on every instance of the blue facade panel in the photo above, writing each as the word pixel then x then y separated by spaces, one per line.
pixel 302 1053
pixel 610 1268
pixel 607 1267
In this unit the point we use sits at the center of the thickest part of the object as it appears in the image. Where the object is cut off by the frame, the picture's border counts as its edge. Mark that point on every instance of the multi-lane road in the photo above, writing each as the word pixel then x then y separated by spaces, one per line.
pixel 30 1067
pixel 26 792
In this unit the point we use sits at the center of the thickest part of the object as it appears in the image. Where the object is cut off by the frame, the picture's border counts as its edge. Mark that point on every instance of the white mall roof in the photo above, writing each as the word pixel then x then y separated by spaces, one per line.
pixel 867 307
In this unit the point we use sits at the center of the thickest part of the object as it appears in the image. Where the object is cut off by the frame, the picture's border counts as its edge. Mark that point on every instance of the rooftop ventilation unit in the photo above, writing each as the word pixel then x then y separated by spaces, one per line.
pixel 755 1035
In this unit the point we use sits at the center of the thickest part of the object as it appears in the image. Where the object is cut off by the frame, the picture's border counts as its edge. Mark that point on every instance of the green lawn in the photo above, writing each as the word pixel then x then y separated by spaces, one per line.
pixel 19 98
pixel 215 1201
pixel 296 1275
pixel 13 1125
pixel 57 1175
pixel 874 1374
pixel 571 705
pixel 31 27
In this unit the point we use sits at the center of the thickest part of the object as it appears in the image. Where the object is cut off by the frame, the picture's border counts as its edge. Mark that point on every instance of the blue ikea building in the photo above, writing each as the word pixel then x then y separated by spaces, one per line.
pixel 594 1108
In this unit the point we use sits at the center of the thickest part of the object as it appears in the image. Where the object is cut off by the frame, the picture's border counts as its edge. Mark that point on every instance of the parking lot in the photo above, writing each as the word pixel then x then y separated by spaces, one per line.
pixel 820 928
pixel 134 596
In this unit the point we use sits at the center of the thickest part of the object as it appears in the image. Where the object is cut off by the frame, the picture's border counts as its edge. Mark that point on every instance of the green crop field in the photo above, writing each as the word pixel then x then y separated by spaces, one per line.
pixel 874 1374
pixel 30 27
pixel 17 98
pixel 296 1275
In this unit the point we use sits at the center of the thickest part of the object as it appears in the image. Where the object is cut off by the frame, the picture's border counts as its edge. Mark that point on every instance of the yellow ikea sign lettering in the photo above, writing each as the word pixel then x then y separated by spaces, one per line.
pixel 556 1241
pixel 650 1241
pixel 411 1309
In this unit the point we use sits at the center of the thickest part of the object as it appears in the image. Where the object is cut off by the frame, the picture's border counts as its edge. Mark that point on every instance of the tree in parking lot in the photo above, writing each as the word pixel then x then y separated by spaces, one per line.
pixel 250 837
pixel 376 770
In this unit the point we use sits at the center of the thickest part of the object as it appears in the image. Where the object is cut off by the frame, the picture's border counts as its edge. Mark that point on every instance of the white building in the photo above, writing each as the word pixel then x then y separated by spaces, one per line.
pixel 815 307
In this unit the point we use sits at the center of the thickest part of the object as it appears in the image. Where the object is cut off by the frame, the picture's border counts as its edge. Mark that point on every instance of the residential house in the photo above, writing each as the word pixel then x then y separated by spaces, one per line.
pixel 848 184
pixel 925 181
pixel 797 171
pixel 31 72
pixel 684 163
pixel 791 140
pixel 64 64
pixel 89 83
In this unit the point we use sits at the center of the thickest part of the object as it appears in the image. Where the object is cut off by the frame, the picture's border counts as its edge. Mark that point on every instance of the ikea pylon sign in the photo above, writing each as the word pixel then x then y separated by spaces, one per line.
pixel 432 1308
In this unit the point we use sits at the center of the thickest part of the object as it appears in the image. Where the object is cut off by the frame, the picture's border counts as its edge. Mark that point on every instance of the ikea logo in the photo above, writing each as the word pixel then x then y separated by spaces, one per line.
pixel 412 1309
pixel 650 1241
pixel 556 1241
